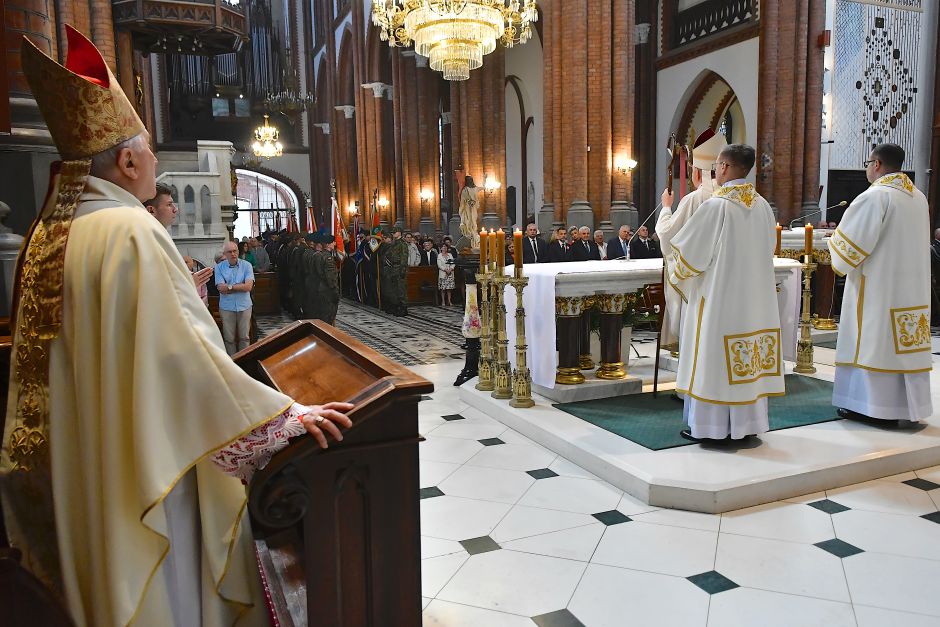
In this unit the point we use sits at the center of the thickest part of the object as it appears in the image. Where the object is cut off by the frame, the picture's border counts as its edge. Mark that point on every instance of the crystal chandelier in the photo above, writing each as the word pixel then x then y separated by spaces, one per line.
pixel 266 145
pixel 455 35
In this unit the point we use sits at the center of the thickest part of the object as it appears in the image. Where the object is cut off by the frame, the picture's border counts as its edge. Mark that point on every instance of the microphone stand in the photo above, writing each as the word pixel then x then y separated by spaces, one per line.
pixel 816 213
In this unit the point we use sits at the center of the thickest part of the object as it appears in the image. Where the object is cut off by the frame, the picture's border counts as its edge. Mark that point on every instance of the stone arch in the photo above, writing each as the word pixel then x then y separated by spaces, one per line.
pixel 189 208
pixel 704 105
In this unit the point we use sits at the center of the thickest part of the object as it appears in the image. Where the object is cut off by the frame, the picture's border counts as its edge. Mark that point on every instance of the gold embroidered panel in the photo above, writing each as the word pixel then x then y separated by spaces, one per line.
pixel 750 356
pixel 898 180
pixel 741 194
pixel 682 268
pixel 846 248
pixel 911 329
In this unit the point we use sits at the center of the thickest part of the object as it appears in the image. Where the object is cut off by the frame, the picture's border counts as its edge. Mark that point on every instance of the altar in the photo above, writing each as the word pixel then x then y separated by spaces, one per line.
pixel 560 296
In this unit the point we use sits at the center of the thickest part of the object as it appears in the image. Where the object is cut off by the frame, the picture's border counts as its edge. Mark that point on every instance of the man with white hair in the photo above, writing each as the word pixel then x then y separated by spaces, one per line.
pixel 705 153
pixel 601 245
pixel 235 279
pixel 123 404
pixel 584 249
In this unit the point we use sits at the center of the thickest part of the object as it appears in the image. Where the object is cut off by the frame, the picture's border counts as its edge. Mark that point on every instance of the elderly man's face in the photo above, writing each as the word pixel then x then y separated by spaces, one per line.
pixel 598 238
pixel 531 230
pixel 427 244
pixel 230 252
pixel 624 232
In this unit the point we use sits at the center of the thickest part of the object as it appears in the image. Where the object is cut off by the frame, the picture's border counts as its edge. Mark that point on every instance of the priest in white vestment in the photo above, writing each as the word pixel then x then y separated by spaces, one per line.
pixel 722 267
pixel 129 431
pixel 705 153
pixel 883 354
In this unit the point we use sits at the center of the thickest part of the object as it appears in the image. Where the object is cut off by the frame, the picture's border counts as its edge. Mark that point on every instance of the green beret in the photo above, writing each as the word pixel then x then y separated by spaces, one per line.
pixel 396 229
pixel 311 237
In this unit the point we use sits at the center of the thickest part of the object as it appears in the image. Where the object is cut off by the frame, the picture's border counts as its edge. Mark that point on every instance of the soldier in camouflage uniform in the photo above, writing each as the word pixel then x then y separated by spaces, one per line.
pixel 310 279
pixel 295 261
pixel 394 265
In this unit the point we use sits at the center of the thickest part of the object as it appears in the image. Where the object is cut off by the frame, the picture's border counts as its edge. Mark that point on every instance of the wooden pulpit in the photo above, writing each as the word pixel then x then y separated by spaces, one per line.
pixel 337 531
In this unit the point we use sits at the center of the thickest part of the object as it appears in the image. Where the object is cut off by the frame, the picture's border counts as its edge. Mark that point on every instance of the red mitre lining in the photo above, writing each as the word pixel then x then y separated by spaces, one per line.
pixel 84 59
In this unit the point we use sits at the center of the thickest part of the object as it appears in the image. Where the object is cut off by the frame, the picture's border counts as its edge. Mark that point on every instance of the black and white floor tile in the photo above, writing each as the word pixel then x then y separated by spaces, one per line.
pixel 514 535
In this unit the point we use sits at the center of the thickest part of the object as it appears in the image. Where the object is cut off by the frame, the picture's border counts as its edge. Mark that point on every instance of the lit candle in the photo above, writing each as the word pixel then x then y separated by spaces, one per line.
pixel 483 250
pixel 517 249
pixel 500 249
pixel 809 239
pixel 779 240
pixel 492 252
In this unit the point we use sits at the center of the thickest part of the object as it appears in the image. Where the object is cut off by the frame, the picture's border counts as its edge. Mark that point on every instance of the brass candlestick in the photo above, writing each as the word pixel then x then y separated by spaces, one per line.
pixel 521 378
pixel 804 346
pixel 485 384
pixel 501 368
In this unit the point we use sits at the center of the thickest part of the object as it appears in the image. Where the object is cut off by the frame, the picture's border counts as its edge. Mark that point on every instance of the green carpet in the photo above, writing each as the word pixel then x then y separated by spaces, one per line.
pixel 655 422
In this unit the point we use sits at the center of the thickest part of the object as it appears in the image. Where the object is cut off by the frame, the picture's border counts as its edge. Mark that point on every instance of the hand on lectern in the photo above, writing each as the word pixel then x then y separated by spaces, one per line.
pixel 322 419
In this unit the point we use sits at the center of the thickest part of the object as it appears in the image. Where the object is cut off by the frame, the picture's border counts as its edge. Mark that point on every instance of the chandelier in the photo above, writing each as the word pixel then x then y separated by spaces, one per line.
pixel 266 145
pixel 454 35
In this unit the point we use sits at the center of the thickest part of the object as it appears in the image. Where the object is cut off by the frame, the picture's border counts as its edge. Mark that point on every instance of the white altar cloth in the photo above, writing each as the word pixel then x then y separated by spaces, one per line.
pixel 586 278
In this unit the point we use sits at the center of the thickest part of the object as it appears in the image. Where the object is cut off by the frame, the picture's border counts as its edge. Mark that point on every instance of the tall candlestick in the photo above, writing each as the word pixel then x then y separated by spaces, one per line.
pixel 809 239
pixel 492 253
pixel 483 250
pixel 500 249
pixel 777 250
pixel 517 249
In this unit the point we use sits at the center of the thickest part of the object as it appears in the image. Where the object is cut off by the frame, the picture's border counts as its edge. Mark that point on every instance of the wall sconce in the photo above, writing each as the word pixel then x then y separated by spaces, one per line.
pixel 426 195
pixel 383 202
pixel 490 184
pixel 353 208
pixel 624 164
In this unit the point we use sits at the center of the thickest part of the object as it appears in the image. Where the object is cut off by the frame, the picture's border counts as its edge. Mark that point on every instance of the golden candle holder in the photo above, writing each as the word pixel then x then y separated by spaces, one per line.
pixel 485 384
pixel 502 371
pixel 824 324
pixel 804 346
pixel 521 378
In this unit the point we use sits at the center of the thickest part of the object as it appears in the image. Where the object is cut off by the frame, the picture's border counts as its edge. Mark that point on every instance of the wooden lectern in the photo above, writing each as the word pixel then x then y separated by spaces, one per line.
pixel 337 531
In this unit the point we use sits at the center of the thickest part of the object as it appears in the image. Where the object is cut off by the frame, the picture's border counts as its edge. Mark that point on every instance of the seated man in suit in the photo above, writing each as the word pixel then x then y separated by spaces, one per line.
pixel 534 248
pixel 619 247
pixel 585 249
pixel 643 247
pixel 428 254
pixel 559 250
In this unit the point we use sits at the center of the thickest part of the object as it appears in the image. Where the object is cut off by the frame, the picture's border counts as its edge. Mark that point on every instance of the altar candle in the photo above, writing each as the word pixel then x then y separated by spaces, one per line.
pixel 779 240
pixel 483 250
pixel 809 239
pixel 500 249
pixel 517 248
pixel 492 241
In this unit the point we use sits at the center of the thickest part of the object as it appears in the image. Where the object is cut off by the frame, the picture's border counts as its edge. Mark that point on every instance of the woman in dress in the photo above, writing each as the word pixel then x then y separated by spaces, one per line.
pixel 445 275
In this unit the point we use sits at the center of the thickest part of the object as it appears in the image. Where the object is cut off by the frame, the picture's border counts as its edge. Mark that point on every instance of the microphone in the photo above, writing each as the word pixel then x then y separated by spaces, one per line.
pixel 816 213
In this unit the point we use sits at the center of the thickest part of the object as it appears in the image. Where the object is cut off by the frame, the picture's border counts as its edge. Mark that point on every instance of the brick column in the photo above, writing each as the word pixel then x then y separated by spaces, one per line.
pixel 790 88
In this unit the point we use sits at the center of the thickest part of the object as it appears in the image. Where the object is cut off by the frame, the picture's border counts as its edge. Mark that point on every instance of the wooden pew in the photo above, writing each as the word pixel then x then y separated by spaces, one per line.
pixel 337 532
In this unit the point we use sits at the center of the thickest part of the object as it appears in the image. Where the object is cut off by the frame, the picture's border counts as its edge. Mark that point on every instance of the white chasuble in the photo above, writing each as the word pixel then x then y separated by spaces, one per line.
pixel 722 260
pixel 667 226
pixel 141 394
pixel 884 325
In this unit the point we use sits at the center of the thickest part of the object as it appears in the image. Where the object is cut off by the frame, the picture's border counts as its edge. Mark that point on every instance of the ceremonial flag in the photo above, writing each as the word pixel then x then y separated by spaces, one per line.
pixel 337 228
pixel 277 221
pixel 310 222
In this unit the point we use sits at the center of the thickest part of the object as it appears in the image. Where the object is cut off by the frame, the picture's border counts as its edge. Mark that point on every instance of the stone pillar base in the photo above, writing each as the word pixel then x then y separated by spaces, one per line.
pixel 623 212
pixel 545 219
pixel 580 214
pixel 490 221
pixel 426 226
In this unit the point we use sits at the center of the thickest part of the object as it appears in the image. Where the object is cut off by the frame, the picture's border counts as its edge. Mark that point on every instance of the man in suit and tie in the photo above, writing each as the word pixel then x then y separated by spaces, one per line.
pixel 428 254
pixel 559 250
pixel 642 247
pixel 619 247
pixel 534 248
pixel 585 249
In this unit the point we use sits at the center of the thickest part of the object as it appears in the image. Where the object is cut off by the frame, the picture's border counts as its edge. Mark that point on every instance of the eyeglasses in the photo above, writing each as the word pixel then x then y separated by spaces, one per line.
pixel 865 163
pixel 718 163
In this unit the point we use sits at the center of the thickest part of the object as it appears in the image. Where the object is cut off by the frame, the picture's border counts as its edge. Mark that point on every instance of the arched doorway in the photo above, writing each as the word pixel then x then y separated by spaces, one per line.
pixel 711 104
pixel 264 204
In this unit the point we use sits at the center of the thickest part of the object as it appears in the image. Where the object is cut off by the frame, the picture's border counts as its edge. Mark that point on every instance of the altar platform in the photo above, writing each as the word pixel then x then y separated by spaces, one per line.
pixel 782 464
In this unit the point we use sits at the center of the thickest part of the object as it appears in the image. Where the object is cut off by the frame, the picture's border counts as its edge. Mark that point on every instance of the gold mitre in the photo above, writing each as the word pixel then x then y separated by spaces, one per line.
pixel 83 104
pixel 706 149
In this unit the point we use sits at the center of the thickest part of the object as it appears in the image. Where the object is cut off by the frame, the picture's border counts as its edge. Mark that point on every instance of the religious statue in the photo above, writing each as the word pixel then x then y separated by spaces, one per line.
pixel 469 212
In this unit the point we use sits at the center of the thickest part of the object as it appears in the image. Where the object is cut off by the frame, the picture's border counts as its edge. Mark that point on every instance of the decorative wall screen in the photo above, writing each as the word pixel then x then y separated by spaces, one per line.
pixel 874 78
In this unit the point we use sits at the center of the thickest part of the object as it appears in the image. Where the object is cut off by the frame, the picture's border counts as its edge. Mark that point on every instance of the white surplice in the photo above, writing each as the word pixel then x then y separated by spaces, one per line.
pixel 667 226
pixel 883 356
pixel 141 394
pixel 730 342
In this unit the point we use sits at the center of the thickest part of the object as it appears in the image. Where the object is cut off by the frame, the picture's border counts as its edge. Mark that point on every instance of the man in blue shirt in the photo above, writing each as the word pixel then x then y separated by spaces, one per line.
pixel 235 279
